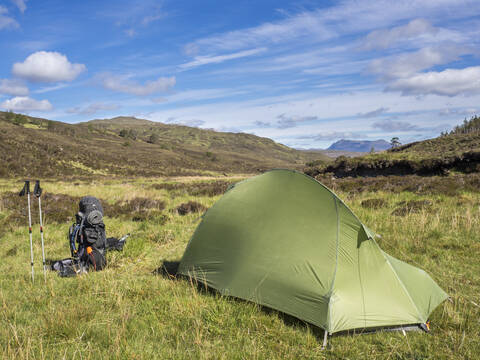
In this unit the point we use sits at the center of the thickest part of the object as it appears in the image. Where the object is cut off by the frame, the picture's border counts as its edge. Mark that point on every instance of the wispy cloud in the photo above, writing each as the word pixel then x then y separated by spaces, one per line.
pixel 285 122
pixel 186 122
pixel 346 17
pixel 301 25
pixel 382 39
pixel 21 4
pixel 204 60
pixel 373 113
pixel 204 94
pixel 262 124
pixel 46 89
pixel 34 45
pixel 394 126
pixel 13 87
pixel 7 22
pixel 92 108
pixel 335 135
pixel 459 112
pixel 132 17
pixel 125 85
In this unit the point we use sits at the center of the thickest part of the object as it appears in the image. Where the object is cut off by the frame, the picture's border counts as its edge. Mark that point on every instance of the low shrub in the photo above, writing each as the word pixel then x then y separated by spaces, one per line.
pixel 373 203
pixel 190 207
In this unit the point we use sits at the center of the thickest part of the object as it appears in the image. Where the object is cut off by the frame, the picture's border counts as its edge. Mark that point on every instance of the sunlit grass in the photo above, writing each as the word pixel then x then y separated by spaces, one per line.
pixel 128 312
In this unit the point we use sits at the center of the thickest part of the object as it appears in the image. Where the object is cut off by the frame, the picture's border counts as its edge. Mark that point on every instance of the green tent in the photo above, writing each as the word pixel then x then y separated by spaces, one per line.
pixel 285 241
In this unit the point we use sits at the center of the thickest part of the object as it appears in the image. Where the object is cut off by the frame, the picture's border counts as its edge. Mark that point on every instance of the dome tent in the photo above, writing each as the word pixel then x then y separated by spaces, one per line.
pixel 285 241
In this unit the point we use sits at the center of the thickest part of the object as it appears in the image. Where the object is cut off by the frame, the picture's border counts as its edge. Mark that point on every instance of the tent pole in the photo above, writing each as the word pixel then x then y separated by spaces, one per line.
pixel 325 334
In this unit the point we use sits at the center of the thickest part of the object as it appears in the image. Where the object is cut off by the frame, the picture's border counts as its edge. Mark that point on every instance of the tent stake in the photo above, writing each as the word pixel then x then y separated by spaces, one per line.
pixel 325 334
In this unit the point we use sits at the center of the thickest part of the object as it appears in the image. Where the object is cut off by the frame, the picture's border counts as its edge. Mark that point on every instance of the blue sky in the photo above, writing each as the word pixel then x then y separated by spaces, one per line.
pixel 305 73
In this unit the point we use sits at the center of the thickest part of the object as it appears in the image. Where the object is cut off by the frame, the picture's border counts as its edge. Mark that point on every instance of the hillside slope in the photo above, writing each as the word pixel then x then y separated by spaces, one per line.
pixel 204 140
pixel 45 148
pixel 453 152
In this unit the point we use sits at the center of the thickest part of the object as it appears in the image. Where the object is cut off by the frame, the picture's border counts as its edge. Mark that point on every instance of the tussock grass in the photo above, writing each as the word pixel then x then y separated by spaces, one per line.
pixel 129 312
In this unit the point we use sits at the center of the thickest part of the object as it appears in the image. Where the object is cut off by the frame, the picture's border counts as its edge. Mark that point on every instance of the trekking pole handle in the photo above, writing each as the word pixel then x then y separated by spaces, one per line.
pixel 26 188
pixel 37 190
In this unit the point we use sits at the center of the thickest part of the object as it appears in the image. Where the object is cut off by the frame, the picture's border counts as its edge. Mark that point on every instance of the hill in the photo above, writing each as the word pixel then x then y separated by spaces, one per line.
pixel 360 145
pixel 126 146
pixel 457 151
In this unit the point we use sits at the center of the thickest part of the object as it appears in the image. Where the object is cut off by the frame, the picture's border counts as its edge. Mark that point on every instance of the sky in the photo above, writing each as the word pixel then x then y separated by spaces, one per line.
pixel 304 73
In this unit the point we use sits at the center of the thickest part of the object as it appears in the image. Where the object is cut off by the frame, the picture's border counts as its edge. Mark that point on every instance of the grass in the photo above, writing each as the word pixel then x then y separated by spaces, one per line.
pixel 128 312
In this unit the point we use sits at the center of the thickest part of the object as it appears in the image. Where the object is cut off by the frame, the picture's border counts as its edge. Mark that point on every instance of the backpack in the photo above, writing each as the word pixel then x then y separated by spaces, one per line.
pixel 87 235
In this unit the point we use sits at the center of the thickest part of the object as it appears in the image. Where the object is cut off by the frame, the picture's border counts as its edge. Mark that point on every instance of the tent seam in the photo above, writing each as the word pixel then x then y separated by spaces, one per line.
pixel 361 289
pixel 330 292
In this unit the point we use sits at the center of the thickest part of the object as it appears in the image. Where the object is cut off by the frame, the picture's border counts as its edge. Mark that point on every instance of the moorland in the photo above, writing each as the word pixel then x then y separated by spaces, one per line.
pixel 133 310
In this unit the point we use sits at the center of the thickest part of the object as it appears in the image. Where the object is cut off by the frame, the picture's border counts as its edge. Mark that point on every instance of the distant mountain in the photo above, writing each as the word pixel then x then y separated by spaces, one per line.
pixel 360 145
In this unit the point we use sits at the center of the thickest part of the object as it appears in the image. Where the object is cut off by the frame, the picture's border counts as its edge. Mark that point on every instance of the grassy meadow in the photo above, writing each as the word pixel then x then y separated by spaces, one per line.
pixel 128 311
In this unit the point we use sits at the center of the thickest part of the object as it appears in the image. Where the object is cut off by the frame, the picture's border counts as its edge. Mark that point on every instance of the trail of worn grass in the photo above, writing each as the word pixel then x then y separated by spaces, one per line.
pixel 127 312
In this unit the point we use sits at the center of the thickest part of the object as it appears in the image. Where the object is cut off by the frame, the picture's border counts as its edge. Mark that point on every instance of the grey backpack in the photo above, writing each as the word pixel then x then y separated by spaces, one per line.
pixel 87 234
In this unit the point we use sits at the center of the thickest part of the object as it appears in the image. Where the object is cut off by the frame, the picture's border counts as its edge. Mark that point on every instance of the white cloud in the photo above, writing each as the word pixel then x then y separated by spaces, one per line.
pixel 203 60
pixel 13 87
pixel 382 39
pixel 20 4
pixel 449 82
pixel 6 22
pixel 24 103
pixel 46 66
pixel 407 64
pixel 92 108
pixel 123 84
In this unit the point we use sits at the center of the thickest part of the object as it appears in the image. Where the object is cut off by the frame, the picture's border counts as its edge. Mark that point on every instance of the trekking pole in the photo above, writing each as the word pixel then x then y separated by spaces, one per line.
pixel 26 190
pixel 37 191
